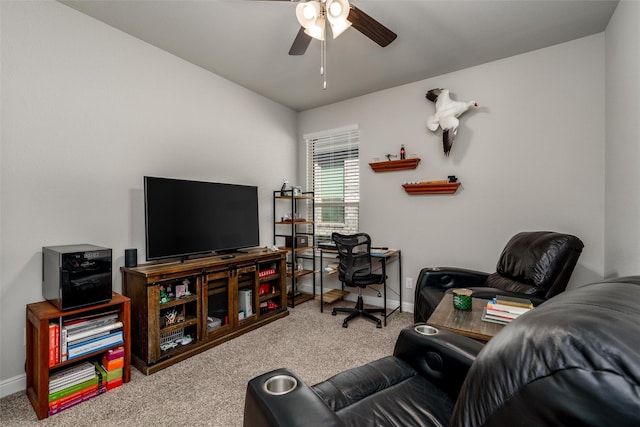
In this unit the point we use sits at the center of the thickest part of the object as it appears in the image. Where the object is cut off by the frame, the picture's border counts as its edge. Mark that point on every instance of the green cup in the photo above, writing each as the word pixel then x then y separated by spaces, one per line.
pixel 462 299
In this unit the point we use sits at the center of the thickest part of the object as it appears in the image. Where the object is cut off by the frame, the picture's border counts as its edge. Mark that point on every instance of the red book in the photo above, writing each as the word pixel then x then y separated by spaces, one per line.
pixel 54 344
pixel 81 398
pixel 115 383
pixel 58 403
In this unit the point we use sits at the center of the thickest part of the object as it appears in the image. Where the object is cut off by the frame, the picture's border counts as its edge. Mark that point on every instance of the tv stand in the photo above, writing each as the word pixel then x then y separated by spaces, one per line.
pixel 179 309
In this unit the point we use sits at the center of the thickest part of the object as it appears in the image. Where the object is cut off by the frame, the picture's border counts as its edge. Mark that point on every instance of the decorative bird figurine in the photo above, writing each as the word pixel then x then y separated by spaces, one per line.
pixel 446 116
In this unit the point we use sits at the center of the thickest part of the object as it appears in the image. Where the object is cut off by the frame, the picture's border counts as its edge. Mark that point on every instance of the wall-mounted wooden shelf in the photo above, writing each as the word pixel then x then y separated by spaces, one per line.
pixel 395 165
pixel 432 188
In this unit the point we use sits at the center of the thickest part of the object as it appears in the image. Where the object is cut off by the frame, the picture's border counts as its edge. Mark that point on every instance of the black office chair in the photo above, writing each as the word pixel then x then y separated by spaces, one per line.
pixel 355 270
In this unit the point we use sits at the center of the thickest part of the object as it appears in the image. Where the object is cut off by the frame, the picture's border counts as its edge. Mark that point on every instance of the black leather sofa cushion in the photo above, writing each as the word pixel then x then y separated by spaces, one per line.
pixel 574 360
pixel 386 392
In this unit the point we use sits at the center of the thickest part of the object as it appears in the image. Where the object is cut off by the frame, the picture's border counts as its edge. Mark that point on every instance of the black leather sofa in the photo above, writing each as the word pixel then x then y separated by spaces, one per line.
pixel 535 265
pixel 572 361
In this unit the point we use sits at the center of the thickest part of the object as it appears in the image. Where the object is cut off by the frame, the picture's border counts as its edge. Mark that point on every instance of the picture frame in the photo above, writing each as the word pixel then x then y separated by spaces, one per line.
pixel 181 291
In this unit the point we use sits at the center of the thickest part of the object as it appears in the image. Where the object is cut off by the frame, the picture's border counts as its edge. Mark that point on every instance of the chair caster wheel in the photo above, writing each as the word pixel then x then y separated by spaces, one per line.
pixel 345 325
pixel 379 325
pixel 333 313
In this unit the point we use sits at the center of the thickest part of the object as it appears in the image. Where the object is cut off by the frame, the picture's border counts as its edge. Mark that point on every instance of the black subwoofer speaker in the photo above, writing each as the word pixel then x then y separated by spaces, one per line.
pixel 130 257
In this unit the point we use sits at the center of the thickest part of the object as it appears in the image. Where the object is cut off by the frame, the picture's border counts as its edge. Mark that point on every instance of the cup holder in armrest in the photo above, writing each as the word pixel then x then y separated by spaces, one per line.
pixel 426 330
pixel 280 384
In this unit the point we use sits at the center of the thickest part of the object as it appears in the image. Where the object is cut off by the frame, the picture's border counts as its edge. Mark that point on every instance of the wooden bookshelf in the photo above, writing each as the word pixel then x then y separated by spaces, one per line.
pixel 38 317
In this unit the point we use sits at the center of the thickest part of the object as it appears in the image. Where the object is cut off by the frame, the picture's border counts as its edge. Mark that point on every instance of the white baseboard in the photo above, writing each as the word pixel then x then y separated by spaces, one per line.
pixel 13 385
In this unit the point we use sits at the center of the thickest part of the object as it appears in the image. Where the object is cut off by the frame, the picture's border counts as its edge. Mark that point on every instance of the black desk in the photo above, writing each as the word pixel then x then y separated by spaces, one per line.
pixel 383 257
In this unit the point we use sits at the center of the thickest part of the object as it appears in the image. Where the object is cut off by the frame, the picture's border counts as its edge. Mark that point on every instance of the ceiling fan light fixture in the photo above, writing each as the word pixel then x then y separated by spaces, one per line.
pixel 338 28
pixel 308 13
pixel 337 12
pixel 317 29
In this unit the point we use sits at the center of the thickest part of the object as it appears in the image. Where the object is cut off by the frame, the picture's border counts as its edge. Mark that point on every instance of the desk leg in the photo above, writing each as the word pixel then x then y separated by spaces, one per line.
pixel 321 290
pixel 400 278
pixel 383 262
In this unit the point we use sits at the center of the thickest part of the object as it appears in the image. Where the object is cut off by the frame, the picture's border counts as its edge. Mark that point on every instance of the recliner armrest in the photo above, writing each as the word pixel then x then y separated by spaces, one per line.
pixel 299 407
pixel 450 277
pixel 444 358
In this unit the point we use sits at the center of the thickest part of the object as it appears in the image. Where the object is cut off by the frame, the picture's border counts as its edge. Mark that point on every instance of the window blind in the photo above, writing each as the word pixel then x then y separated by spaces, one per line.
pixel 333 173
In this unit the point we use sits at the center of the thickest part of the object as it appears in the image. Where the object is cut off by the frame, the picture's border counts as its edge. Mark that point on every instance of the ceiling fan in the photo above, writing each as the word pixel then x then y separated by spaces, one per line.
pixel 313 14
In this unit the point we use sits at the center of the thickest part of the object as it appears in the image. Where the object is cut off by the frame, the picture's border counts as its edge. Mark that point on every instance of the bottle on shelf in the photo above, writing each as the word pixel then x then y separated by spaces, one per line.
pixel 402 152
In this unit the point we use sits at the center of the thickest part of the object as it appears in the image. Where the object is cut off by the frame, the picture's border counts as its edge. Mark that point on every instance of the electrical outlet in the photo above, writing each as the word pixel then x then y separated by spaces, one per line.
pixel 408 282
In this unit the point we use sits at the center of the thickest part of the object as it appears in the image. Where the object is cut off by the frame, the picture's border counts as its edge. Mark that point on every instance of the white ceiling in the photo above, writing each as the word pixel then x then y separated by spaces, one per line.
pixel 247 41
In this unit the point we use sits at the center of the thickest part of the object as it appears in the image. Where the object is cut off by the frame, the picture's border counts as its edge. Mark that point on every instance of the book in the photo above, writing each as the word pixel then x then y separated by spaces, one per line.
pixel 70 397
pixel 63 344
pixel 77 322
pixel 70 372
pixel 89 322
pixel 86 395
pixel 492 305
pixel 513 301
pixel 114 353
pixel 113 384
pixel 114 375
pixel 66 383
pixel 494 319
pixel 72 389
pixel 87 333
pixel 54 344
pixel 501 314
pixel 94 345
pixel 110 365
pixel 102 377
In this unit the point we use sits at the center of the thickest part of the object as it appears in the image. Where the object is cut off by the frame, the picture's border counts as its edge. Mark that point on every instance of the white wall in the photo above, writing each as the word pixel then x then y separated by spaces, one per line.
pixel 530 158
pixel 87 111
pixel 622 213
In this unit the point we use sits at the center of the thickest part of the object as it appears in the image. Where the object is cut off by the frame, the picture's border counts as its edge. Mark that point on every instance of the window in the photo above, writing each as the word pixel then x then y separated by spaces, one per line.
pixel 333 173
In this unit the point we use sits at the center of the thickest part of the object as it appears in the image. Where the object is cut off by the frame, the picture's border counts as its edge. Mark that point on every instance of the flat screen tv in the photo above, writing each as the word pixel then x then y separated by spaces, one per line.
pixel 185 218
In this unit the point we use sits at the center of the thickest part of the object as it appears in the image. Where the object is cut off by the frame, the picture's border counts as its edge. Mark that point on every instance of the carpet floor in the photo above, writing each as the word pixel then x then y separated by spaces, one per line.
pixel 208 389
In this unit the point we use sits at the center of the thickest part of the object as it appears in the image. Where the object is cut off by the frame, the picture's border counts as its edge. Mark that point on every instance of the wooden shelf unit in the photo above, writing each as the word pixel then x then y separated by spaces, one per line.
pixel 432 188
pixel 38 317
pixel 212 311
pixel 395 165
pixel 289 229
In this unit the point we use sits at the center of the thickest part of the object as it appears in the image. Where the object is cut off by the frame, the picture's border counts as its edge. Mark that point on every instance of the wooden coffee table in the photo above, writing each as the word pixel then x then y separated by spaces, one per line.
pixel 464 322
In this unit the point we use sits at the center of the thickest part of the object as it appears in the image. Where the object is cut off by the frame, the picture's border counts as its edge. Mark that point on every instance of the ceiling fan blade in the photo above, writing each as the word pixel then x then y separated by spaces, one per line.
pixel 301 43
pixel 370 27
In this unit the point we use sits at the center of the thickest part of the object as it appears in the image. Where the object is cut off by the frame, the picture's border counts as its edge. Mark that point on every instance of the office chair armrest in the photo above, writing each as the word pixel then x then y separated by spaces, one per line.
pixel 450 277
pixel 299 407
pixel 444 357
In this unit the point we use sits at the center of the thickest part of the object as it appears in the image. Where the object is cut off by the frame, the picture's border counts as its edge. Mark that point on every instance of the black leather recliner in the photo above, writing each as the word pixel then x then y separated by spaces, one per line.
pixel 536 265
pixel 574 360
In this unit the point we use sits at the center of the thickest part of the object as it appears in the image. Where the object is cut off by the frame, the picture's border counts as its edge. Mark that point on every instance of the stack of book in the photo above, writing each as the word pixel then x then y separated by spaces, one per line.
pixel 113 363
pixel 71 386
pixel 504 309
pixel 87 334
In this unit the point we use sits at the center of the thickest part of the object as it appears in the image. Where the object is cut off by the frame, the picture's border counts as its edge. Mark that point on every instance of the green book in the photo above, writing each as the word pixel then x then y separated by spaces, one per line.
pixel 114 375
pixel 76 387
pixel 102 375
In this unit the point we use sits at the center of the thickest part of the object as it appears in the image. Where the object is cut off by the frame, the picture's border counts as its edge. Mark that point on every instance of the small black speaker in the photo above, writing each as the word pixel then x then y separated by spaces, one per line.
pixel 130 257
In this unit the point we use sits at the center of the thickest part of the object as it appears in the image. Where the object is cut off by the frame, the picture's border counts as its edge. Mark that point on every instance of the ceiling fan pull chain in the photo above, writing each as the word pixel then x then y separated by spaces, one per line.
pixel 323 67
